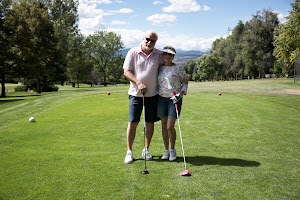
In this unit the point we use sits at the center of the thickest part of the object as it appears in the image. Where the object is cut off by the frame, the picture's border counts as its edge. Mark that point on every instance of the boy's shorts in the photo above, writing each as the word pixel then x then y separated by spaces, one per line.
pixel 166 108
pixel 136 107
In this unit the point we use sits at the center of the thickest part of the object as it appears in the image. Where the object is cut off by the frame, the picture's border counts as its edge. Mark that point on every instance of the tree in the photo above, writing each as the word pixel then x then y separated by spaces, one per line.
pixel 279 68
pixel 248 50
pixel 258 43
pixel 33 43
pixel 103 46
pixel 237 66
pixel 208 67
pixel 79 65
pixel 64 16
pixel 218 51
pixel 116 69
pixel 190 68
pixel 6 65
pixel 287 38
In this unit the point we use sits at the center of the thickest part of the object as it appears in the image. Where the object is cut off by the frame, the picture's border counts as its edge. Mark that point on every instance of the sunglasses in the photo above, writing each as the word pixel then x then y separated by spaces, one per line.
pixel 148 40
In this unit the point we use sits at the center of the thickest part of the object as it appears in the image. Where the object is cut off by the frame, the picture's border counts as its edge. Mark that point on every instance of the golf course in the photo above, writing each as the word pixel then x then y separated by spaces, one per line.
pixel 242 144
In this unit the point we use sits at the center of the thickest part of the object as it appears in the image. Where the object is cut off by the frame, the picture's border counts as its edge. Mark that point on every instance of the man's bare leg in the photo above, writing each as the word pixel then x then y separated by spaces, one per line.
pixel 131 132
pixel 149 133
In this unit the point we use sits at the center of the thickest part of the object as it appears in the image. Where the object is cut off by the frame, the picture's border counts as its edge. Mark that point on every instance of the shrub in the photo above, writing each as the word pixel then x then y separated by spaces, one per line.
pixel 50 88
pixel 21 88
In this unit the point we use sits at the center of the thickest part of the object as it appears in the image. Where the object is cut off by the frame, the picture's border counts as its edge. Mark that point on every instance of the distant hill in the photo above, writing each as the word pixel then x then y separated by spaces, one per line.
pixel 181 55
pixel 184 56
pixel 124 52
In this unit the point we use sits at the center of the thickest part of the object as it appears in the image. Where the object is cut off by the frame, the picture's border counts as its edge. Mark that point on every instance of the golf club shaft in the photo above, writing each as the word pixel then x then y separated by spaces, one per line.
pixel 144 117
pixel 180 135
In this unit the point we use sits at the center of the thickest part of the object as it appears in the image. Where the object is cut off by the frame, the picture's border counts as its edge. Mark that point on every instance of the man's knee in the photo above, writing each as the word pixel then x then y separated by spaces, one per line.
pixel 132 125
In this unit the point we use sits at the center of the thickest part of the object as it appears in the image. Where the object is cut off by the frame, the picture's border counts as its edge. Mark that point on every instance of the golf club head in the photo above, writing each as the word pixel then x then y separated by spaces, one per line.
pixel 185 173
pixel 145 172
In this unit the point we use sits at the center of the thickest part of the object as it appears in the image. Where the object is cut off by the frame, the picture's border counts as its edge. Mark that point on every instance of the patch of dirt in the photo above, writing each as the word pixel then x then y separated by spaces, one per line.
pixel 285 91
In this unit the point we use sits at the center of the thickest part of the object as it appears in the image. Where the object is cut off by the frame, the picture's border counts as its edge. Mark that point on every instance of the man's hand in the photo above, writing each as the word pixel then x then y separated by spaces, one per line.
pixel 176 98
pixel 128 74
pixel 142 87
pixel 186 80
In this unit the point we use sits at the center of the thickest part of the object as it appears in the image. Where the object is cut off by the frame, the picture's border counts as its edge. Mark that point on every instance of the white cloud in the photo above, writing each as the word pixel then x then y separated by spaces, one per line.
pixel 122 10
pixel 90 25
pixel 133 38
pixel 91 18
pixel 184 6
pixel 206 8
pixel 158 19
pixel 95 1
pixel 88 11
pixel 130 38
pixel 118 22
pixel 157 2
pixel 281 17
pixel 185 42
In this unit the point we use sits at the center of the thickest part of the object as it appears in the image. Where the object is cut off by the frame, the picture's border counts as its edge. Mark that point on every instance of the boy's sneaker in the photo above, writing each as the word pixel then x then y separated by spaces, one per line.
pixel 129 157
pixel 172 154
pixel 166 155
pixel 148 155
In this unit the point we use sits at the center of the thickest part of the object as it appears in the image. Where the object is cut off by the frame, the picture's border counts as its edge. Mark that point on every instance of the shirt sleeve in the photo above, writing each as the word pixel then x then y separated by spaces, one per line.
pixel 128 60
pixel 161 59
pixel 182 76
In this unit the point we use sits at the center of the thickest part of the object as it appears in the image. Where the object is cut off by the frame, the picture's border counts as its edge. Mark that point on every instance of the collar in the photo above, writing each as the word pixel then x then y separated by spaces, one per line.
pixel 154 51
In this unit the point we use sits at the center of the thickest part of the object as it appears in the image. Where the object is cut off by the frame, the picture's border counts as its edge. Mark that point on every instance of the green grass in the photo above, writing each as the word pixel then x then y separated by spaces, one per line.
pixel 241 145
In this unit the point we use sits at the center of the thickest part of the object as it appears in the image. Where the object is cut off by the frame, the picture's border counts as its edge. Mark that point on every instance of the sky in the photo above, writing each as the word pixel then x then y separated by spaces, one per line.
pixel 183 24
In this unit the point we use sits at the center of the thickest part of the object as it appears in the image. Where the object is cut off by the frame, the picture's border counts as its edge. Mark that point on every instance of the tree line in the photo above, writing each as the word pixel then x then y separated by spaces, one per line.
pixel 255 48
pixel 41 46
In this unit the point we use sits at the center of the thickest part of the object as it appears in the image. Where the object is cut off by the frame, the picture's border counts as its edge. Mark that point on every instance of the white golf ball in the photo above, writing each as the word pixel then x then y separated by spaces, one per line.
pixel 31 119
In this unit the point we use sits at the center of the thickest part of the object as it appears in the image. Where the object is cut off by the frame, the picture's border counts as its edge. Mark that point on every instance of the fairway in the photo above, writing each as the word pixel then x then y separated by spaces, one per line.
pixel 243 144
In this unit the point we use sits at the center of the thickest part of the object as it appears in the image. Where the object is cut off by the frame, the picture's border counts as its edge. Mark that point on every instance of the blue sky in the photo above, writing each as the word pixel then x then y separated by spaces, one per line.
pixel 184 24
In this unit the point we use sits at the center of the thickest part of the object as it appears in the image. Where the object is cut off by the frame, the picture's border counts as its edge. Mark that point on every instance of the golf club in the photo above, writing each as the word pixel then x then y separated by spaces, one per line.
pixel 184 172
pixel 145 171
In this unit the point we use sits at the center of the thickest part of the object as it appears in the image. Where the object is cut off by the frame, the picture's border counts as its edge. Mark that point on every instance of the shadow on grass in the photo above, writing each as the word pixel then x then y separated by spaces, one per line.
pixel 207 160
pixel 30 95
pixel 8 101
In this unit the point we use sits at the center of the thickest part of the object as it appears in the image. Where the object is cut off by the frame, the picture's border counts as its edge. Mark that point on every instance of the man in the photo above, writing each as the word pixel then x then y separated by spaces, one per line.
pixel 141 68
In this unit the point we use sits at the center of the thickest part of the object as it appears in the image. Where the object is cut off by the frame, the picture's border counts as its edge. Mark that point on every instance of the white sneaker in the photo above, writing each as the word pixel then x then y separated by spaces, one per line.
pixel 148 155
pixel 172 154
pixel 129 157
pixel 166 155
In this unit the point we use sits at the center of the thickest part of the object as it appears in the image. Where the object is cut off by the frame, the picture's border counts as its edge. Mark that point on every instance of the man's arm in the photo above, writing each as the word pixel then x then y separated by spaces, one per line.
pixel 128 74
pixel 186 80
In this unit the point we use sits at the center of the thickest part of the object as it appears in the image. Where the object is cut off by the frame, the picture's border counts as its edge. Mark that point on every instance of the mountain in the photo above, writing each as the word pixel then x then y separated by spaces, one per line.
pixel 184 56
pixel 123 52
pixel 181 55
